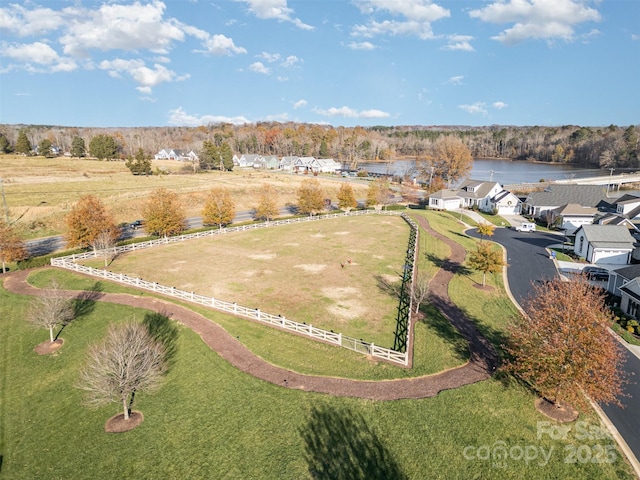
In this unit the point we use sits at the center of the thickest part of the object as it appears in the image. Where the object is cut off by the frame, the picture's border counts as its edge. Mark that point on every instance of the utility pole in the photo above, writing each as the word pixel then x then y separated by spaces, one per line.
pixel 4 202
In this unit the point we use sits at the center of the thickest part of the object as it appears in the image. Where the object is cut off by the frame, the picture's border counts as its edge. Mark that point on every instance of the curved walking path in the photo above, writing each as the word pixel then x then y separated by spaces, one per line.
pixel 483 358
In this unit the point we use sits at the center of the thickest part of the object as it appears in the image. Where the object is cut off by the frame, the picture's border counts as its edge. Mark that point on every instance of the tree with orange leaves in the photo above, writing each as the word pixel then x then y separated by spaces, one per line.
pixel 12 248
pixel 87 220
pixel 563 348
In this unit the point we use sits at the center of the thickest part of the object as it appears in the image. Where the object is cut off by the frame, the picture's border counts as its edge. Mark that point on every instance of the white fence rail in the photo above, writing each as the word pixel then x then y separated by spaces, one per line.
pixel 69 263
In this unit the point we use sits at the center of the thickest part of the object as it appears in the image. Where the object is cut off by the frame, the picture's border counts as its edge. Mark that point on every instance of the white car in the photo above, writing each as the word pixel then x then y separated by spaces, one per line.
pixel 526 227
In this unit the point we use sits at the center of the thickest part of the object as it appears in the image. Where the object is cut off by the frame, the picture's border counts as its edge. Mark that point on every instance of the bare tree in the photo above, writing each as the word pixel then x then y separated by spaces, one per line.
pixel 419 290
pixel 51 309
pixel 105 244
pixel 127 361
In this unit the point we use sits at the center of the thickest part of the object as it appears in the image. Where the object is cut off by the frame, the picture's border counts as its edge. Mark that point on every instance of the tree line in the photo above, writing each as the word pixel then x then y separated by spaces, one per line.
pixel 599 147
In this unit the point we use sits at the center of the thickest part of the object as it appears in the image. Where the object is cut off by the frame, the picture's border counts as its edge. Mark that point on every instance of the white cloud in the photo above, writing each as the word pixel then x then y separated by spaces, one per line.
pixel 22 22
pixel 221 45
pixel 361 46
pixel 417 16
pixel 259 67
pixel 348 112
pixel 499 105
pixel 635 37
pixel 179 117
pixel 275 10
pixel 291 61
pixel 40 54
pixel 300 103
pixel 269 57
pixel 146 77
pixel 474 109
pixel 457 80
pixel 536 19
pixel 459 42
pixel 122 27
pixel 278 117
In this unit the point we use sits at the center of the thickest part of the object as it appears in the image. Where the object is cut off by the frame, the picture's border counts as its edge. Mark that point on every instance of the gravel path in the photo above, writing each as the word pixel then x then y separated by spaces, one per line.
pixel 483 359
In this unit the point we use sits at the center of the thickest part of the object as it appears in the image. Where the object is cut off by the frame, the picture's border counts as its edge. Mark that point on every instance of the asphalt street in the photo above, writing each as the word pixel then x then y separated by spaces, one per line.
pixel 528 262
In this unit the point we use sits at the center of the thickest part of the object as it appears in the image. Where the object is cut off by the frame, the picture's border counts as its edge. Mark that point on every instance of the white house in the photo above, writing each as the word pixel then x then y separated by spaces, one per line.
pixel 610 244
pixel 247 160
pixel 505 203
pixel 471 193
pixel 445 200
pixel 630 297
pixel 176 154
pixel 572 216
pixel 286 163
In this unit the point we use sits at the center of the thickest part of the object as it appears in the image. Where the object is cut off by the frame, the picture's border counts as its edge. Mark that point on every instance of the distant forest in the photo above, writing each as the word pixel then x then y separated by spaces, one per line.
pixel 602 147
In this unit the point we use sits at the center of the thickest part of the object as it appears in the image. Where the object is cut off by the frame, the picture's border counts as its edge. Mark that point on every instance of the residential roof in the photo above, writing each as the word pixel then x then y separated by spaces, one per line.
pixel 445 194
pixel 556 195
pixel 628 198
pixel 629 271
pixel 575 210
pixel 603 236
pixel 475 188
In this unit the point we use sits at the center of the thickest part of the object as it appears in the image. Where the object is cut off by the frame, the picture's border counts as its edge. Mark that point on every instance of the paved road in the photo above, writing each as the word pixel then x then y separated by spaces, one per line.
pixel 44 246
pixel 529 262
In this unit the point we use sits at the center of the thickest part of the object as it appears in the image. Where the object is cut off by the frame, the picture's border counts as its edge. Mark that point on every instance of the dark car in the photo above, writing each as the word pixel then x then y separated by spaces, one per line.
pixel 136 225
pixel 596 273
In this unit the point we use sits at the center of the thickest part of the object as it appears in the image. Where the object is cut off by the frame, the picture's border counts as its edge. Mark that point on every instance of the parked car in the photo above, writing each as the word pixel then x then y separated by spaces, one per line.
pixel 136 224
pixel 596 273
pixel 526 227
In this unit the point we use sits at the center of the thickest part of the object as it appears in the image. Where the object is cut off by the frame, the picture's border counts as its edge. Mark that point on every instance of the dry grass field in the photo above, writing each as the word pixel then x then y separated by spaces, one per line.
pixel 40 191
pixel 336 274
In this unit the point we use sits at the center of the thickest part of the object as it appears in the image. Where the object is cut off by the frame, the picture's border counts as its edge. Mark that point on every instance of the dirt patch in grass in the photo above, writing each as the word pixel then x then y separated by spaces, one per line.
pixel 118 424
pixel 47 348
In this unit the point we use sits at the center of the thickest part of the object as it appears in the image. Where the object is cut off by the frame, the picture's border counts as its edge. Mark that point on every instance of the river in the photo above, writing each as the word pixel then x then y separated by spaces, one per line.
pixel 506 172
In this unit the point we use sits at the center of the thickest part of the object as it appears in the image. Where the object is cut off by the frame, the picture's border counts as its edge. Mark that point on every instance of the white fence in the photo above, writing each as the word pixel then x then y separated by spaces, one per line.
pixel 361 346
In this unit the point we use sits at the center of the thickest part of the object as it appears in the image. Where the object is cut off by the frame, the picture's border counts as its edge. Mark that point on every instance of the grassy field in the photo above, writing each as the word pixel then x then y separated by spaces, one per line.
pixel 211 421
pixel 338 274
pixel 40 192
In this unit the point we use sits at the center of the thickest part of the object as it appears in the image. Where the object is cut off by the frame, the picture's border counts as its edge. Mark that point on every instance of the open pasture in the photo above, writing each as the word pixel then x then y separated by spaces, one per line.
pixel 42 191
pixel 337 274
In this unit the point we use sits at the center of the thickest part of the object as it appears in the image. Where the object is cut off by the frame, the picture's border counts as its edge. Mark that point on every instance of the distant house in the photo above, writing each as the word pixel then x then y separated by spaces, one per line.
pixel 612 244
pixel 286 163
pixel 176 154
pixel 270 162
pixel 627 212
pixel 246 160
pixel 306 165
pixel 540 204
pixel 572 216
pixel 327 165
pixel 471 193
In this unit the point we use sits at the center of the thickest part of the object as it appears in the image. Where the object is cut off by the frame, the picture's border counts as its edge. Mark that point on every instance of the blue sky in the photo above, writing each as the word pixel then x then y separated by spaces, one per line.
pixel 339 62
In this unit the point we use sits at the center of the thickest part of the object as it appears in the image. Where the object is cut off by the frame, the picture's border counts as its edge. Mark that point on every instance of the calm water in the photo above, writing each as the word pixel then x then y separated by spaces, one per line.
pixel 505 172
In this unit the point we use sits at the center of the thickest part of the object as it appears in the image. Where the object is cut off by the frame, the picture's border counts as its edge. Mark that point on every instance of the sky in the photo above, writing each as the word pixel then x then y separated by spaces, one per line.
pixel 338 62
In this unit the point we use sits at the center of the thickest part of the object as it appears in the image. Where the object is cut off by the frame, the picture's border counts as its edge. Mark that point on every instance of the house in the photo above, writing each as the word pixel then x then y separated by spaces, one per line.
pixel 286 163
pixel 621 276
pixel 328 165
pixel 471 193
pixel 270 162
pixel 176 154
pixel 571 216
pixel 630 297
pixel 540 204
pixel 612 244
pixel 505 203
pixel 246 160
pixel 445 200
pixel 627 212
pixel 306 165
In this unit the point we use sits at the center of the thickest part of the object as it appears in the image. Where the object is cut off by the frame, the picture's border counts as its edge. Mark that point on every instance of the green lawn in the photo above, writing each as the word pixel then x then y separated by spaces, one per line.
pixel 210 420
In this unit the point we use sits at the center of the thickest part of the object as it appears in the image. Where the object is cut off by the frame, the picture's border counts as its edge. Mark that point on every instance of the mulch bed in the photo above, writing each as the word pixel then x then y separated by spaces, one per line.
pixel 563 414
pixel 117 423
pixel 47 348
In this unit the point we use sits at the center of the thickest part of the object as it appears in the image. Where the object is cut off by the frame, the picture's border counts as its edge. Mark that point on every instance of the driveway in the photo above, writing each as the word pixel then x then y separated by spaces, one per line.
pixel 528 263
